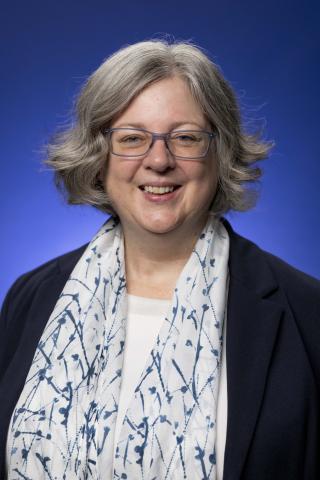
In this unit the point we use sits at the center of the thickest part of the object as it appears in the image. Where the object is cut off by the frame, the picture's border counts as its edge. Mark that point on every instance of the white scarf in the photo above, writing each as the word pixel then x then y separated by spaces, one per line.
pixel 64 422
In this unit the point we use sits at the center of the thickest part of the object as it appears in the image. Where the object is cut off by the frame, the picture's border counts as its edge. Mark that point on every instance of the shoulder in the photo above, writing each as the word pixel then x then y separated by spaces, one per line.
pixel 302 293
pixel 252 262
pixel 65 262
pixel 25 287
pixel 29 303
pixel 275 280
pixel 299 287
pixel 272 279
pixel 265 274
pixel 296 283
pixel 57 265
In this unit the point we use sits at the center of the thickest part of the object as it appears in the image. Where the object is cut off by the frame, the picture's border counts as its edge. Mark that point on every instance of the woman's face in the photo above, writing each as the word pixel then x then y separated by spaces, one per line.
pixel 162 107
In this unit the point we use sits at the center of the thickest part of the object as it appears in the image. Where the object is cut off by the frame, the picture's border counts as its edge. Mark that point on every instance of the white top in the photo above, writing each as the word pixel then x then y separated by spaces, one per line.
pixel 145 317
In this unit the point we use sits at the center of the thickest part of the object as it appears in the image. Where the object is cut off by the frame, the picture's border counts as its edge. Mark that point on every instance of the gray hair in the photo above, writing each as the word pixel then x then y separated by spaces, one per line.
pixel 79 154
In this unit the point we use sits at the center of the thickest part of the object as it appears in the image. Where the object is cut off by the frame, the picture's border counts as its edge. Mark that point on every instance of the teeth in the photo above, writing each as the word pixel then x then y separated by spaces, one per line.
pixel 158 190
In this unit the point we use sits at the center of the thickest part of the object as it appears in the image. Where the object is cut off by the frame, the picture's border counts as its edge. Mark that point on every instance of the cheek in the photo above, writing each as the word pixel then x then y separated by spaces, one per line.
pixel 119 173
pixel 112 182
pixel 206 187
pixel 119 183
pixel 205 179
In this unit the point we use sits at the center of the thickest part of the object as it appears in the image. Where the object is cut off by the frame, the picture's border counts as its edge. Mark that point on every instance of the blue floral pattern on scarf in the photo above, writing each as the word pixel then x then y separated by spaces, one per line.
pixel 63 424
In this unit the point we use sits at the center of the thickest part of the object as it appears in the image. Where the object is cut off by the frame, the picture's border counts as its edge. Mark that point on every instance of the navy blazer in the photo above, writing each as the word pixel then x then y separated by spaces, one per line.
pixel 273 359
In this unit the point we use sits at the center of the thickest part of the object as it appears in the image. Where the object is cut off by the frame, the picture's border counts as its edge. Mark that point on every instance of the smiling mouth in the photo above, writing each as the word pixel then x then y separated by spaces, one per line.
pixel 158 190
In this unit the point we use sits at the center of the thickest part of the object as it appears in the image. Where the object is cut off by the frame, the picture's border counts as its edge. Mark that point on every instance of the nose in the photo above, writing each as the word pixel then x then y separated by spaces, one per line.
pixel 158 157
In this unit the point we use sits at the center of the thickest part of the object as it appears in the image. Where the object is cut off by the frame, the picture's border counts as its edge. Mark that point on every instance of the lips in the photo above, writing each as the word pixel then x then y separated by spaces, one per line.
pixel 159 189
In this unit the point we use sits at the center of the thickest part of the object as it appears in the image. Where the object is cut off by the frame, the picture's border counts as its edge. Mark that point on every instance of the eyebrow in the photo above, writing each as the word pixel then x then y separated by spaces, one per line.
pixel 173 125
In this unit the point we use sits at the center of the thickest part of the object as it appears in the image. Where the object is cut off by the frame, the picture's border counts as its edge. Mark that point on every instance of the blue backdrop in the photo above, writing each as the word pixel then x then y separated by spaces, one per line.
pixel 267 50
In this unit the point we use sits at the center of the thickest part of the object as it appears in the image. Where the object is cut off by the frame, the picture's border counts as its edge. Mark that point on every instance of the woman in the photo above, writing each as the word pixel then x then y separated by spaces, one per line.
pixel 169 347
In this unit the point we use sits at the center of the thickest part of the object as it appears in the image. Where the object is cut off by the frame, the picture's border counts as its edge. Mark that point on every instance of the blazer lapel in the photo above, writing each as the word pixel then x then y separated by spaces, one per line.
pixel 253 320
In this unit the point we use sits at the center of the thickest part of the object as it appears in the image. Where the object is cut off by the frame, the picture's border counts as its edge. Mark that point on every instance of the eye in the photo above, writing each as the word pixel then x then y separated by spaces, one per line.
pixel 131 139
pixel 186 138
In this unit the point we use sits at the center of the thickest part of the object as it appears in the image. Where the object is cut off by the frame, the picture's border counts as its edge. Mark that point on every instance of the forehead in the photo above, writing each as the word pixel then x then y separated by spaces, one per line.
pixel 168 101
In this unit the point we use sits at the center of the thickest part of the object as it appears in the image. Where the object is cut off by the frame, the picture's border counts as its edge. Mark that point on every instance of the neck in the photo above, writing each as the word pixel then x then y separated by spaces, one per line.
pixel 154 261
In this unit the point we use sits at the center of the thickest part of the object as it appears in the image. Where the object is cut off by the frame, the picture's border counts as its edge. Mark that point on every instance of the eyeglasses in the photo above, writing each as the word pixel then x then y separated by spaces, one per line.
pixel 136 142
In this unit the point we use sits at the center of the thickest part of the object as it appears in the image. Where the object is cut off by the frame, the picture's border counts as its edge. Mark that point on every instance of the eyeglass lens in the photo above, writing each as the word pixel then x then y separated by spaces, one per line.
pixel 184 143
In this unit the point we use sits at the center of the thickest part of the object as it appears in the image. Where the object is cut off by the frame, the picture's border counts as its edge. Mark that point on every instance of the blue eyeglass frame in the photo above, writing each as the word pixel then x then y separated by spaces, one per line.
pixel 161 136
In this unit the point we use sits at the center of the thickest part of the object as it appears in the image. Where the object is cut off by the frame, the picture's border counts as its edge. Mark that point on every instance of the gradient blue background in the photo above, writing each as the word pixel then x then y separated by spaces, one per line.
pixel 267 50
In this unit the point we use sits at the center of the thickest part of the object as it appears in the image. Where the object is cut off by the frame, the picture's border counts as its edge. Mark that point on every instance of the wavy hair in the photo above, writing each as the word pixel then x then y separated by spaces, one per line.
pixel 78 155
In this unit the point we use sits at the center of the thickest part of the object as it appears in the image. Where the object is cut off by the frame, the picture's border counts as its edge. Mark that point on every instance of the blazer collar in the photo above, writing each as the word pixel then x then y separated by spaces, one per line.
pixel 253 320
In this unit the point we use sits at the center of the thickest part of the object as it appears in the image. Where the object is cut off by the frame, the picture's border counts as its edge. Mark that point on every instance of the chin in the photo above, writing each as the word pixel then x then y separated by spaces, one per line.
pixel 160 226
